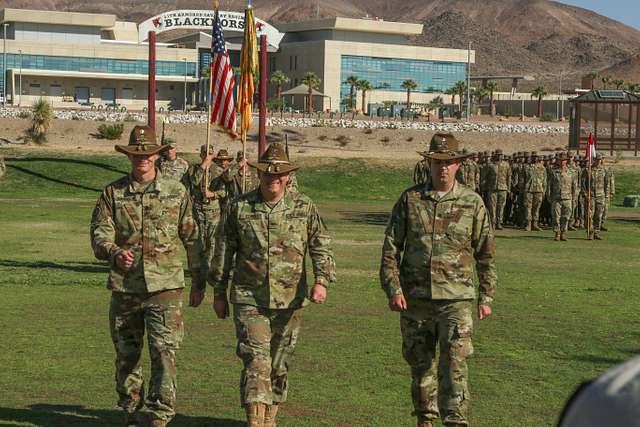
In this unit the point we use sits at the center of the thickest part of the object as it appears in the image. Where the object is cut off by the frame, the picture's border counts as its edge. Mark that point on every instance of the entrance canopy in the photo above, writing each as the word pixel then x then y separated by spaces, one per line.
pixel 302 89
pixel 202 20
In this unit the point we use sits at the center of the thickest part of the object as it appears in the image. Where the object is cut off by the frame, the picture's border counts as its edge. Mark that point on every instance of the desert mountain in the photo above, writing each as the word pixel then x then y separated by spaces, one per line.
pixel 538 37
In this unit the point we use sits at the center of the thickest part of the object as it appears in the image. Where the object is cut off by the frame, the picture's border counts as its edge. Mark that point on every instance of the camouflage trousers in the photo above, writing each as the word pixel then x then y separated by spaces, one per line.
pixel 442 391
pixel 531 204
pixel 208 220
pixel 266 340
pixel 497 202
pixel 597 212
pixel 605 213
pixel 160 314
pixel 561 211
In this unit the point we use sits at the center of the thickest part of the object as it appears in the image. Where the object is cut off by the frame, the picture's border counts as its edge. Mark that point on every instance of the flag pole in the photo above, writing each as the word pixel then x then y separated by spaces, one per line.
pixel 216 6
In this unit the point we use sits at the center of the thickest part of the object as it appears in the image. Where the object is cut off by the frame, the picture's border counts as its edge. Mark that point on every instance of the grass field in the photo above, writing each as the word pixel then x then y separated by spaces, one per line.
pixel 564 312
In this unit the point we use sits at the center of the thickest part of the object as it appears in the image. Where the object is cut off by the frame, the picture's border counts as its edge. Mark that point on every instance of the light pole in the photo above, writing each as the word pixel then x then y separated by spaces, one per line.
pixel 4 66
pixel 561 98
pixel 20 79
pixel 184 105
pixel 469 82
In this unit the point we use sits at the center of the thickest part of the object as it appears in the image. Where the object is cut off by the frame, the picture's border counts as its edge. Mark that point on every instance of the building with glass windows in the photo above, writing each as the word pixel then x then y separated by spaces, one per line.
pixel 81 59
pixel 84 59
pixel 372 50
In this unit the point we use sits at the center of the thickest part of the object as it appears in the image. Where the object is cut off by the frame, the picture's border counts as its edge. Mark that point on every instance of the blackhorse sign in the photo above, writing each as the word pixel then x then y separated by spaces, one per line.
pixel 203 20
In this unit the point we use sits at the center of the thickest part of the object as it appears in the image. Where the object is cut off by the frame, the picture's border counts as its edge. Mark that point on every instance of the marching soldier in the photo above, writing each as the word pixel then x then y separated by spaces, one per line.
pixel 268 232
pixel 170 165
pixel 446 223
pixel 137 225
pixel 598 196
pixel 561 189
pixel 252 181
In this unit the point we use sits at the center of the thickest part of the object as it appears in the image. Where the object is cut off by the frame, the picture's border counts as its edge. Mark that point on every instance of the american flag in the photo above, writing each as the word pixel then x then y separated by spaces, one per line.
pixel 223 110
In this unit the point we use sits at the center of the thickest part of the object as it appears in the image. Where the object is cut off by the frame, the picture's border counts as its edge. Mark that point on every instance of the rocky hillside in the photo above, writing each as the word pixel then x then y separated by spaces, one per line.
pixel 538 37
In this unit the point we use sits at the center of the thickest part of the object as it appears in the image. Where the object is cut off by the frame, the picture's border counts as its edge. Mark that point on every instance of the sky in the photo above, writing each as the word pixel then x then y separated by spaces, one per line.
pixel 626 11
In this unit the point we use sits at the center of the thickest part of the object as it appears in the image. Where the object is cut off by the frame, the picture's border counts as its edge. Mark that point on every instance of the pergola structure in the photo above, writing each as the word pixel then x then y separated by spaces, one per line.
pixel 612 116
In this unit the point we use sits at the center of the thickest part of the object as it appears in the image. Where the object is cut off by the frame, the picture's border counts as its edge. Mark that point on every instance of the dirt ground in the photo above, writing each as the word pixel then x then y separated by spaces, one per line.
pixel 383 144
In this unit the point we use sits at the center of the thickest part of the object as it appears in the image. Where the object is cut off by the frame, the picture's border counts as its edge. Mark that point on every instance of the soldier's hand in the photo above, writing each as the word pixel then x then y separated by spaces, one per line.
pixel 209 194
pixel 398 303
pixel 318 294
pixel 484 311
pixel 221 307
pixel 124 259
pixel 195 297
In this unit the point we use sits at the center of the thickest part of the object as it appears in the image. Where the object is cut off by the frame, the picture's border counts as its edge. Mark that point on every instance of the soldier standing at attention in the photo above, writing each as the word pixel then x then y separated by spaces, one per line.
pixel 574 168
pixel 535 187
pixel 611 192
pixel 598 195
pixel 252 182
pixel 3 168
pixel 561 189
pixel 438 237
pixel 170 164
pixel 498 188
pixel 269 231
pixel 206 200
pixel 137 226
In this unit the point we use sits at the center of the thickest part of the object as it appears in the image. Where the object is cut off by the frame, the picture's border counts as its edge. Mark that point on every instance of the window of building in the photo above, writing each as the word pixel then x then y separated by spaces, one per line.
pixel 34 89
pixel 55 90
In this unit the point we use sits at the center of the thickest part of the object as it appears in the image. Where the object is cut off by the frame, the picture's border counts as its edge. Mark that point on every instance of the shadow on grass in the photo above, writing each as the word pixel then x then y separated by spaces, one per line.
pixel 104 166
pixel 368 218
pixel 46 415
pixel 78 267
pixel 57 181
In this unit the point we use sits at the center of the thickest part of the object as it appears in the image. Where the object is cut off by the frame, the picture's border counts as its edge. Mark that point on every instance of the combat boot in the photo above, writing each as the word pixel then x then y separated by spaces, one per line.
pixel 572 227
pixel 498 226
pixel 603 228
pixel 556 237
pixel 131 420
pixel 270 415
pixel 596 236
pixel 424 423
pixel 535 227
pixel 255 414
pixel 563 237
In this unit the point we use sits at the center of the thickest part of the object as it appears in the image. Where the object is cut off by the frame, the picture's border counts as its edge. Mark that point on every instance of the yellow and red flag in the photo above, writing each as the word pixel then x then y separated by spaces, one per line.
pixel 248 69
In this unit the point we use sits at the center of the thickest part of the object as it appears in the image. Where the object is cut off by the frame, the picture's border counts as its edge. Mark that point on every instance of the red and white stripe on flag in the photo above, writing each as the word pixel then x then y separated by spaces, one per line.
pixel 223 109
pixel 591 147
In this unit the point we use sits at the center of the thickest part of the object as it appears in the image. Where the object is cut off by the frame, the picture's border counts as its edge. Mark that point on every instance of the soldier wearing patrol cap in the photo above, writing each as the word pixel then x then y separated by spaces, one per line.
pixel 535 186
pixel 269 232
pixel 243 170
pixel 170 165
pixel 435 298
pixel 560 193
pixel 137 225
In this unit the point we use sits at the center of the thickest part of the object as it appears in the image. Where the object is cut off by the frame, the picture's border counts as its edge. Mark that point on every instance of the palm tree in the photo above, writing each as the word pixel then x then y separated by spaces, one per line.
pixel 605 81
pixel 592 76
pixel 633 87
pixel 313 82
pixel 453 92
pixel 364 86
pixel 435 103
pixel 618 83
pixel 352 81
pixel 539 92
pixel 491 87
pixel 409 85
pixel 460 88
pixel 41 118
pixel 480 94
pixel 279 79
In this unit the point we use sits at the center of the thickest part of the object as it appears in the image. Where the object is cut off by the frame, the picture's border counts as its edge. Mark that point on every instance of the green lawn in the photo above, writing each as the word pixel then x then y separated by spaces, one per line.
pixel 565 312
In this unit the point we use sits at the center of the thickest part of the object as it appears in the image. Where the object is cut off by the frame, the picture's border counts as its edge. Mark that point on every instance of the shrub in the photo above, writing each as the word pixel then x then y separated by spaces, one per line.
pixel 343 140
pixel 24 114
pixel 110 132
pixel 41 118
pixel 410 139
pixel 130 118
pixel 385 139
pixel 322 137
pixel 368 131
pixel 548 117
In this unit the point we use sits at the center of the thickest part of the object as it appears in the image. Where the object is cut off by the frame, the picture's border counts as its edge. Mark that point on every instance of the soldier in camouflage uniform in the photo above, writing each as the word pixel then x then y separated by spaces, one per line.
pixel 534 188
pixel 421 170
pixel 137 225
pixel 446 224
pixel 498 184
pixel 574 168
pixel 611 192
pixel 242 169
pixel 561 189
pixel 3 168
pixel 269 231
pixel 206 199
pixel 170 164
pixel 580 219
pixel 599 190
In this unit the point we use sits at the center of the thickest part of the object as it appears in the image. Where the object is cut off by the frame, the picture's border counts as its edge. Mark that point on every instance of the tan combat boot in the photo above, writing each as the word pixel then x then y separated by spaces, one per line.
pixel 270 415
pixel 424 423
pixel 535 226
pixel 255 414
pixel 596 236
pixel 158 423
pixel 556 237
pixel 563 237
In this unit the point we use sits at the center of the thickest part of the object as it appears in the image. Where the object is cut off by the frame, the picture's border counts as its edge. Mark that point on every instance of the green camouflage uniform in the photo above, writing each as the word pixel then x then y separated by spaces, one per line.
pixel 599 190
pixel 152 221
pixel 575 196
pixel 432 250
pixel 235 188
pixel 468 174
pixel 535 186
pixel 3 168
pixel 292 185
pixel 269 284
pixel 173 168
pixel 497 184
pixel 421 172
pixel 611 191
pixel 561 191
pixel 206 210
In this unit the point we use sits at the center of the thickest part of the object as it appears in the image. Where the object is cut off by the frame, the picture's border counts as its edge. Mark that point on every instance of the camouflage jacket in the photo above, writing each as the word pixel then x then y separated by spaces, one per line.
pixel 576 173
pixel 3 168
pixel 421 172
pixel 173 168
pixel 270 248
pixel 498 176
pixel 599 184
pixel 152 223
pixel 193 180
pixel 432 248
pixel 562 184
pixel 535 179
pixel 235 188
pixel 611 182
pixel 292 185
pixel 469 174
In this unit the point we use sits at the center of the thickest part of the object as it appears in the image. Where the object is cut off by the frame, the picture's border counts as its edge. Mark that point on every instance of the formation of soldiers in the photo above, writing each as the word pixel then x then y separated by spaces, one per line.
pixel 530 191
